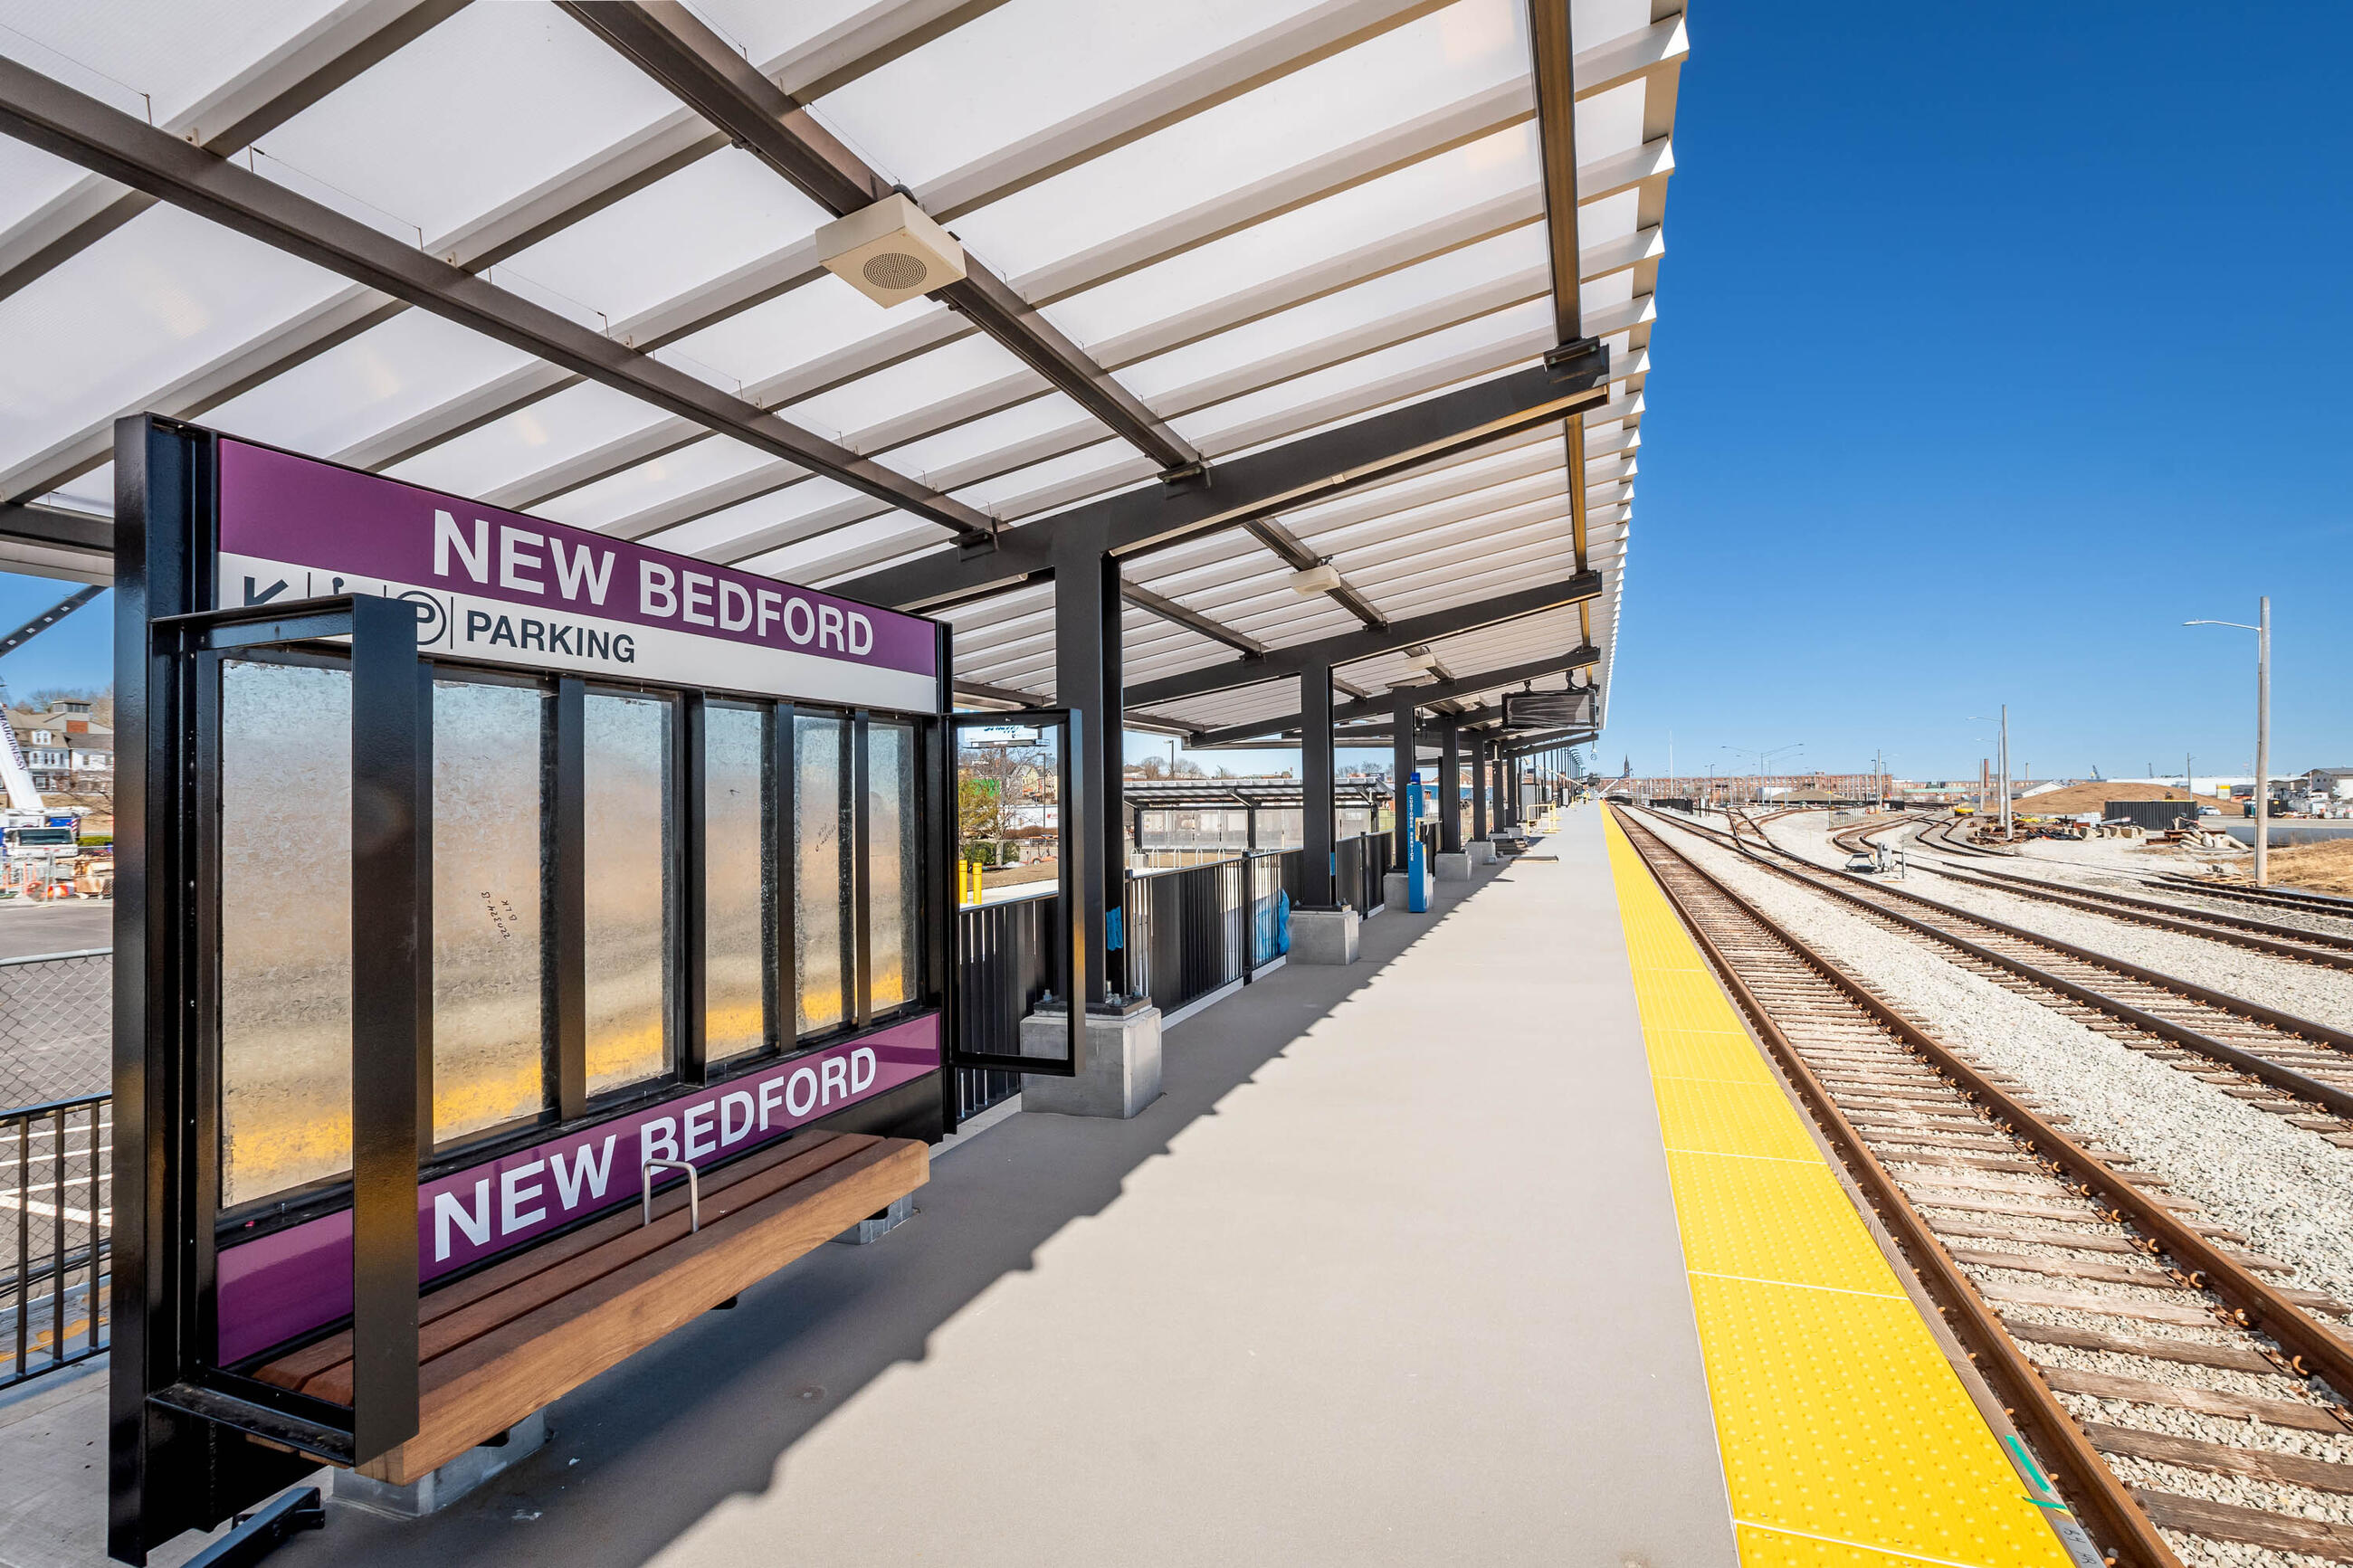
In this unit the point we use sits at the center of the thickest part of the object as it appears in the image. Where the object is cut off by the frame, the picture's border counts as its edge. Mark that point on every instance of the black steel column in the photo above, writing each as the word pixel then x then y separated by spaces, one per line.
pixel 1316 786
pixel 1401 760
pixel 1449 785
pixel 1087 646
pixel 1478 788
pixel 391 1016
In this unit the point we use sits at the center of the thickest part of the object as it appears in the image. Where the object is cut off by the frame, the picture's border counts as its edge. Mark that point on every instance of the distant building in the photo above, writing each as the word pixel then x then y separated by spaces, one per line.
pixel 64 748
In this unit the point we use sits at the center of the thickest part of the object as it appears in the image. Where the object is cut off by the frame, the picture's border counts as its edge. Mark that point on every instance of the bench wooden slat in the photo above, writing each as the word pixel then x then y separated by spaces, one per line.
pixel 526 1331
pixel 449 1317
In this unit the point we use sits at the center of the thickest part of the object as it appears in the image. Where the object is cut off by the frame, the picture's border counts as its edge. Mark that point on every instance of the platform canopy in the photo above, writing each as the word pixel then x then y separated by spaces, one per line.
pixel 1255 289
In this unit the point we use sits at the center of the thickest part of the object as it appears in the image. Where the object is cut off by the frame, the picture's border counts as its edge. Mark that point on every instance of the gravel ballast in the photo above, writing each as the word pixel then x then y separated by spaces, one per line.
pixel 2290 1194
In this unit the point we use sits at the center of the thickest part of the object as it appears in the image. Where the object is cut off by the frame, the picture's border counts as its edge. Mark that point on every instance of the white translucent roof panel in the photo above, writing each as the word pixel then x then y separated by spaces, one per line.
pixel 1610 123
pixel 144 56
pixel 1463 180
pixel 1477 272
pixel 1051 419
pixel 763 31
pixel 635 488
pixel 1042 62
pixel 715 215
pixel 1470 46
pixel 160 295
pixel 822 317
pixel 529 439
pixel 30 178
pixel 1218 427
pixel 388 373
pixel 793 509
pixel 926 381
pixel 92 491
pixel 490 104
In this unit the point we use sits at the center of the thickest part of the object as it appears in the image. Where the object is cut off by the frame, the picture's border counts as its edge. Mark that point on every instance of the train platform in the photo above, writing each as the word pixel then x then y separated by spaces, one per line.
pixel 1503 1245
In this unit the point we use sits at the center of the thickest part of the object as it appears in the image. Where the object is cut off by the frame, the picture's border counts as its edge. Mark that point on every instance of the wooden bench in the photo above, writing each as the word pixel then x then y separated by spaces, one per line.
pixel 497 1345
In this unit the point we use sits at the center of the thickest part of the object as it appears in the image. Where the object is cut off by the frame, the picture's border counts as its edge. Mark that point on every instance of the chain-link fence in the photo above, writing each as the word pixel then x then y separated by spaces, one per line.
pixel 57 1022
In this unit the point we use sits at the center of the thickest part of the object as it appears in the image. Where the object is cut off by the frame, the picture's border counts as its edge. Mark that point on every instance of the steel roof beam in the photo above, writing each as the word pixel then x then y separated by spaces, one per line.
pixel 1144 598
pixel 281 85
pixel 49 115
pixel 613 173
pixel 1423 696
pixel 50 541
pixel 1245 489
pixel 669 43
pixel 1350 647
pixel 1289 46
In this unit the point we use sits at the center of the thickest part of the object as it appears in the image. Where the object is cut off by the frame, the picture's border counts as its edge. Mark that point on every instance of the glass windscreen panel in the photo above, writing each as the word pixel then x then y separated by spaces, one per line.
pixel 285 927
pixel 1010 809
pixel 490 854
pixel 896 893
pixel 630 893
pixel 821 906
pixel 738 906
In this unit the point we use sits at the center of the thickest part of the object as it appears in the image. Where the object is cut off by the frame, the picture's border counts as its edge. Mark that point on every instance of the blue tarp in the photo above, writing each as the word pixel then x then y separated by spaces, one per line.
pixel 1274 926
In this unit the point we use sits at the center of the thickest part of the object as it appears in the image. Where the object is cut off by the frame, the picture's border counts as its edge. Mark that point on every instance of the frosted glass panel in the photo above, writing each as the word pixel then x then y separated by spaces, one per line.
pixel 891 863
pixel 630 892
pixel 285 927
pixel 821 876
pixel 736 914
pixel 488 934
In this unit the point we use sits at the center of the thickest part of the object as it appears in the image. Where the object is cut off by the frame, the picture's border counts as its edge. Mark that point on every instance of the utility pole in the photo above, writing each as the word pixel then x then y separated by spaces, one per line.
pixel 2005 772
pixel 2263 630
pixel 2263 740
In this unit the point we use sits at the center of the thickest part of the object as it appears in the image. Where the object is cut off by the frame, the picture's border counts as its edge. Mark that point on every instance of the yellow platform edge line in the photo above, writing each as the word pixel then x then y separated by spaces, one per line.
pixel 1845 1433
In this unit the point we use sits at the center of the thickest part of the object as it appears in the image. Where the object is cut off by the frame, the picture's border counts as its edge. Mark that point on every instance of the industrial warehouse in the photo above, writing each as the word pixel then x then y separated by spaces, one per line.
pixel 822 785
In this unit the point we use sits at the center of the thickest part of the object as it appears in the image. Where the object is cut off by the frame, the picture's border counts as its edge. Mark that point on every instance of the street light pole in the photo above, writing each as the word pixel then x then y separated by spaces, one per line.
pixel 2005 772
pixel 2263 630
pixel 2262 740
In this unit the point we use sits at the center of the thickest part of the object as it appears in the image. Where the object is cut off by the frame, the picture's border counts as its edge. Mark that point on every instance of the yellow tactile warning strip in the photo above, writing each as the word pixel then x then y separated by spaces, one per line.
pixel 1847 1438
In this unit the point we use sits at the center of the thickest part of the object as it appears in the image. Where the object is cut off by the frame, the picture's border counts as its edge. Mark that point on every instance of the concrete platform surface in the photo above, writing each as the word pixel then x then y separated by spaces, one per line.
pixel 1390 1274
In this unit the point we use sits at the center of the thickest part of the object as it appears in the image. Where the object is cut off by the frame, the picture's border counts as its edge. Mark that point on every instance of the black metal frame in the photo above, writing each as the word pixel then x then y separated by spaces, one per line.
pixel 1070 937
pixel 178 1459
pixel 180 1456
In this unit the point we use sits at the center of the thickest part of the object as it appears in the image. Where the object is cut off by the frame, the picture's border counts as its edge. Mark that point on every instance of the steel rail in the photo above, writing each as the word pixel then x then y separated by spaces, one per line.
pixel 2309 947
pixel 2284 1079
pixel 2311 1348
pixel 2288 898
pixel 2256 1012
pixel 2066 1450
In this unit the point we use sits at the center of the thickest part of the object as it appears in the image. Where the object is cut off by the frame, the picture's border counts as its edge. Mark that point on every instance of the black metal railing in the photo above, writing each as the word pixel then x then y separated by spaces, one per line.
pixel 56 1192
pixel 1186 934
pixel 1004 953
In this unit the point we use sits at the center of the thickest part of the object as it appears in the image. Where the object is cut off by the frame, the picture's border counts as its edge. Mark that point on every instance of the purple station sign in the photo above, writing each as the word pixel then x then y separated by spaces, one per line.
pixel 505 588
pixel 294 1281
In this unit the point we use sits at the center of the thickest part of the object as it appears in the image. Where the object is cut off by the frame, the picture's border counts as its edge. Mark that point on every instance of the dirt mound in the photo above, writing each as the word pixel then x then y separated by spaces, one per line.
pixel 2069 799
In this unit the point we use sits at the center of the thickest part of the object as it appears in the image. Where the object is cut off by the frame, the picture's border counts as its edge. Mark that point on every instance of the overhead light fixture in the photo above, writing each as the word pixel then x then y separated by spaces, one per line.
pixel 1421 659
pixel 1320 578
pixel 891 252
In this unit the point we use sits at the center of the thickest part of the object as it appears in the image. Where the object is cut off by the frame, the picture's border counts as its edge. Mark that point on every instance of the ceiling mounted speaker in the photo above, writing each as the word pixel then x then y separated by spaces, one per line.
pixel 891 252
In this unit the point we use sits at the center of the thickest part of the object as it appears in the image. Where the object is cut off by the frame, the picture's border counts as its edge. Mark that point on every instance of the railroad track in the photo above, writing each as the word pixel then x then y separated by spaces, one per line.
pixel 2278 897
pixel 2297 944
pixel 2026 1236
pixel 2293 1068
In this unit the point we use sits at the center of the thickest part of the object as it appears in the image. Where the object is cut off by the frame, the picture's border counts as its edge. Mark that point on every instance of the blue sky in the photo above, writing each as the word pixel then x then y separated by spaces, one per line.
pixel 1994 344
